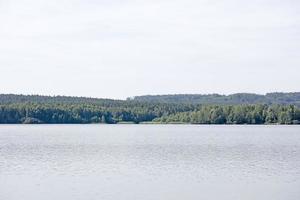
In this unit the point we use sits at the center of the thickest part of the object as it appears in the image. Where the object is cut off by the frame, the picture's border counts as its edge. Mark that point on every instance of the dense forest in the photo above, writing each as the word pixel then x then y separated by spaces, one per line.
pixel 238 114
pixel 217 99
pixel 243 109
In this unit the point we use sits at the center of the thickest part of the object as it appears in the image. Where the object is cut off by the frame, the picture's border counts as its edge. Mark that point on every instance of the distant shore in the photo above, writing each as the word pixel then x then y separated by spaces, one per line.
pixel 277 108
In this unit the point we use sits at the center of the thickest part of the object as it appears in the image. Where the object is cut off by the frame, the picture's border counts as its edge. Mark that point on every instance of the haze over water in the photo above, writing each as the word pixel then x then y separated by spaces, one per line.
pixel 45 162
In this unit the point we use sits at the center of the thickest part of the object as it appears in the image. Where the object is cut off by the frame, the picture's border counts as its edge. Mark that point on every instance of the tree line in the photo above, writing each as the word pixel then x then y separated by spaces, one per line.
pixel 237 114
pixel 60 109
pixel 137 112
pixel 217 99
pixel 29 112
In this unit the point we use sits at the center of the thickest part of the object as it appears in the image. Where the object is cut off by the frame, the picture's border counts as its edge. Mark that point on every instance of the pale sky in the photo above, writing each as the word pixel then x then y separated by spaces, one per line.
pixel 121 48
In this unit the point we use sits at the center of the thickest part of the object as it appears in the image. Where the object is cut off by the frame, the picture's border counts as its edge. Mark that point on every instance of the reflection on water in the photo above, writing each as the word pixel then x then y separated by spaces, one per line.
pixel 149 162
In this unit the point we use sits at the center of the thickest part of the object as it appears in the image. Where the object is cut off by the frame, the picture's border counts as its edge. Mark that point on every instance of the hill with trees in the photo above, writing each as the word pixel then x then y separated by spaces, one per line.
pixel 233 99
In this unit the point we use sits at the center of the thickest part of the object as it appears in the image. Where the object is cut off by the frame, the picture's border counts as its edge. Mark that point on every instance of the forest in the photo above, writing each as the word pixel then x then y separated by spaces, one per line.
pixel 31 109
pixel 233 99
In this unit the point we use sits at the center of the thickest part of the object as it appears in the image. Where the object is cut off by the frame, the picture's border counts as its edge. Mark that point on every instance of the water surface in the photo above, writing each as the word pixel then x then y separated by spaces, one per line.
pixel 149 162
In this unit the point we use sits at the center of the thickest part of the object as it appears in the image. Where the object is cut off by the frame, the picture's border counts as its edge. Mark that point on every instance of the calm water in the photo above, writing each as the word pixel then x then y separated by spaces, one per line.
pixel 149 162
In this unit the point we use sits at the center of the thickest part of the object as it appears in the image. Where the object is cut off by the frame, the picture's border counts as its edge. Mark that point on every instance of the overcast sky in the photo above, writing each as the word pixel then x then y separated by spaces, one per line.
pixel 121 48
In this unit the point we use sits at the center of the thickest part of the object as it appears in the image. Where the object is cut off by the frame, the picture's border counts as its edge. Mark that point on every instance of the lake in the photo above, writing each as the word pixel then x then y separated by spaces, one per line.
pixel 149 162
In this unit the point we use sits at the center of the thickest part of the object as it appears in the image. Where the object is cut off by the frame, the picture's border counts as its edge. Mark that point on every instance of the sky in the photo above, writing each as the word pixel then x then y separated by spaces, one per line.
pixel 123 48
